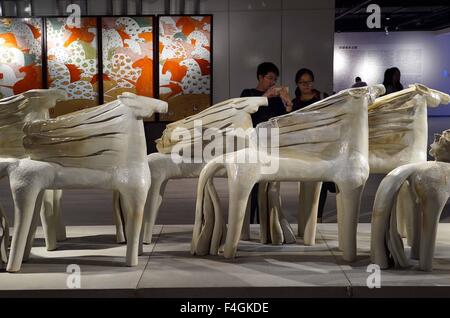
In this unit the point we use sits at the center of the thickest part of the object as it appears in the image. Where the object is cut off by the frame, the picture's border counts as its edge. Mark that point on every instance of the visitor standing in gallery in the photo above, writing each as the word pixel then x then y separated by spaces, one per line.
pixel 392 80
pixel 305 95
pixel 358 82
pixel 279 104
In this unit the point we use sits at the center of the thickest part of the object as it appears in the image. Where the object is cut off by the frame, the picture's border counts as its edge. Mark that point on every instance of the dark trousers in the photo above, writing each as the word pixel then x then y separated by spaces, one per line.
pixel 326 186
pixel 254 210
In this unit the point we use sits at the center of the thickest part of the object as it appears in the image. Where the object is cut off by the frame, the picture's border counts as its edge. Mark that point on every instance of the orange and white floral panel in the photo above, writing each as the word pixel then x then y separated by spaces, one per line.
pixel 73 62
pixel 184 64
pixel 20 55
pixel 127 46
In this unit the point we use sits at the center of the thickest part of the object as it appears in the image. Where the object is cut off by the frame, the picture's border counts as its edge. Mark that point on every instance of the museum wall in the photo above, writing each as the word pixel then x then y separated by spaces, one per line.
pixel 247 32
pixel 422 57
pixel 292 34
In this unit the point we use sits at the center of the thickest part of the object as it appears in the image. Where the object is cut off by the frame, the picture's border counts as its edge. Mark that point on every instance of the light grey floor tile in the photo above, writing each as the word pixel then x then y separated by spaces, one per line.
pixel 93 249
pixel 255 265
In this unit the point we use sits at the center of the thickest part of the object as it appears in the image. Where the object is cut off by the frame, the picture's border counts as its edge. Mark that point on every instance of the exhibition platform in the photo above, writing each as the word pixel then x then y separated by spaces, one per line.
pixel 167 269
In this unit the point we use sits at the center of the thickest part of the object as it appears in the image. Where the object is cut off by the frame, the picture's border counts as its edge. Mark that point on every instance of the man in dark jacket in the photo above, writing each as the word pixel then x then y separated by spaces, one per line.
pixel 279 104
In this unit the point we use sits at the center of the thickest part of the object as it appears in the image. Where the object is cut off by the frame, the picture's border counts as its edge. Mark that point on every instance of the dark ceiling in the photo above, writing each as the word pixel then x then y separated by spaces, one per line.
pixel 396 15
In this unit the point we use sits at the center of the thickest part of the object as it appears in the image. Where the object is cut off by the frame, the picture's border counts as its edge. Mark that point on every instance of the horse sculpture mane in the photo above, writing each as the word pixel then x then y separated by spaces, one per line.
pixel 91 138
pixel 16 110
pixel 316 132
pixel 221 116
pixel 13 112
pixel 396 122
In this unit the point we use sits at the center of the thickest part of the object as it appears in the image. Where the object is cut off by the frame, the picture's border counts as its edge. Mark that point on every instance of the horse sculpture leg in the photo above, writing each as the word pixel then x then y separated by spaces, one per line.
pixel 274 227
pixel 409 218
pixel 24 209
pixel 212 222
pixel 60 227
pixel 162 169
pixel 51 221
pixel 270 215
pixel 239 187
pixel 307 213
pixel 405 203
pixel 34 223
pixel 154 200
pixel 4 237
pixel 245 235
pixel 351 201
pixel 132 202
pixel 263 212
pixel 119 218
pixel 280 229
pixel 432 202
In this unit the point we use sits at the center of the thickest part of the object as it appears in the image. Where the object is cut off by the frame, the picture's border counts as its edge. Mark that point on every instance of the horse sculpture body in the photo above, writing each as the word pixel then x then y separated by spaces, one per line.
pixel 398 132
pixel 327 141
pixel 397 135
pixel 102 147
pixel 430 185
pixel 222 120
pixel 15 111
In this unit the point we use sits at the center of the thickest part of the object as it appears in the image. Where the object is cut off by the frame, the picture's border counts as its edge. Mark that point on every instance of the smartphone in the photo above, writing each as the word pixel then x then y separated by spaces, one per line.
pixel 278 89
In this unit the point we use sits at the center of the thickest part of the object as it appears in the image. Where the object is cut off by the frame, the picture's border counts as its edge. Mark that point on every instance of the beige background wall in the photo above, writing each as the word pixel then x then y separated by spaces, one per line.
pixel 290 33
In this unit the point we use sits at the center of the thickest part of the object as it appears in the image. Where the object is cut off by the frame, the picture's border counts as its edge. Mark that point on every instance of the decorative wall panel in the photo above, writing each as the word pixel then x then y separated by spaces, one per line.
pixel 20 55
pixel 184 64
pixel 127 46
pixel 73 62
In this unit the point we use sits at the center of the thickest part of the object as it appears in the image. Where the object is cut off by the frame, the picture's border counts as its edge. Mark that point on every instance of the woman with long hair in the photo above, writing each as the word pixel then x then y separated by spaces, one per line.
pixel 305 93
pixel 392 80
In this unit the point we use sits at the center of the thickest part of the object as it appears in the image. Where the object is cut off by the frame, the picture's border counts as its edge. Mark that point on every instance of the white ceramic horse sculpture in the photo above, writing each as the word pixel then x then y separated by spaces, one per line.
pixel 102 147
pixel 15 111
pixel 222 119
pixel 398 131
pixel 431 187
pixel 397 136
pixel 327 141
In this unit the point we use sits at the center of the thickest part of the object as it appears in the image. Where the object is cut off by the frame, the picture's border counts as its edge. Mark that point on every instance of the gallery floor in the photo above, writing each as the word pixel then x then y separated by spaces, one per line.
pixel 166 269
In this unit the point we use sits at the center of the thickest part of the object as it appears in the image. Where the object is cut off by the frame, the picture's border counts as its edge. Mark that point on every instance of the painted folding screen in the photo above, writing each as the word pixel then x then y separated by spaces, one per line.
pixel 20 55
pixel 184 64
pixel 73 62
pixel 127 45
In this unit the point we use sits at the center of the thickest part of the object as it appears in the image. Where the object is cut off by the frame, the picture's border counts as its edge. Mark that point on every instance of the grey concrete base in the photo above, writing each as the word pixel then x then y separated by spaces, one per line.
pixel 166 269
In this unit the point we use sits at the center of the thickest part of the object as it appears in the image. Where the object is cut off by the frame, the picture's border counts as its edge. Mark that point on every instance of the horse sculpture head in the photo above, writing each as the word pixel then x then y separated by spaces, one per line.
pixel 230 114
pixel 434 98
pixel 44 99
pixel 91 138
pixel 440 148
pixel 142 106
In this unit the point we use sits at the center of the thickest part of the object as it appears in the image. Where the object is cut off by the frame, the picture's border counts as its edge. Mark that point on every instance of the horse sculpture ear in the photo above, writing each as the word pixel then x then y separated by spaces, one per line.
pixel 128 94
pixel 52 95
pixel 142 106
pixel 253 103
pixel 375 91
pixel 435 98
pixel 357 92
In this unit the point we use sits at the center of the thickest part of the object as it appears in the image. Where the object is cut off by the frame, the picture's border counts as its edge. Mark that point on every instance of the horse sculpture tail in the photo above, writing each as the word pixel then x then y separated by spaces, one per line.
pixel 386 243
pixel 207 226
pixel 4 225
pixel 4 237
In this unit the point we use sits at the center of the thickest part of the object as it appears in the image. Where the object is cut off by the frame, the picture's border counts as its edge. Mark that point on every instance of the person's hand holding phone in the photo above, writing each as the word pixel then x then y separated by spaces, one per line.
pixel 271 92
pixel 284 95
